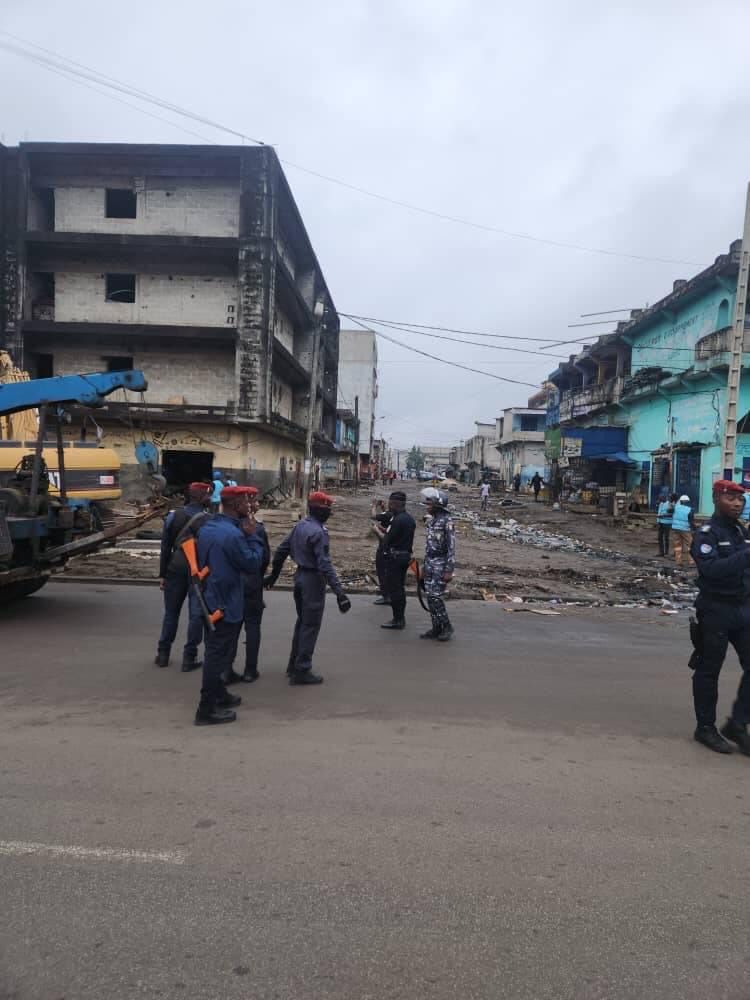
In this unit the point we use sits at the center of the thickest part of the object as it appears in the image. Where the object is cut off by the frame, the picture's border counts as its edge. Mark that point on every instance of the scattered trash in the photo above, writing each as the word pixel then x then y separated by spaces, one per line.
pixel 535 611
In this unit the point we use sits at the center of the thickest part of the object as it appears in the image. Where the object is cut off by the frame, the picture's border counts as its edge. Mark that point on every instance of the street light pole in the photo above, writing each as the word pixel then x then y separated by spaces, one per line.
pixel 735 363
pixel 318 312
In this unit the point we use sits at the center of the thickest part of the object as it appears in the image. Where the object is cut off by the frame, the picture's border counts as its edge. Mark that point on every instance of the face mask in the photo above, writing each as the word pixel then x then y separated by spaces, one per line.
pixel 321 514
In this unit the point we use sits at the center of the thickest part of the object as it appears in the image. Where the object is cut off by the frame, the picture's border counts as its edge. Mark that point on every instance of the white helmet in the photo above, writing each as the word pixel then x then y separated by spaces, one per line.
pixel 432 496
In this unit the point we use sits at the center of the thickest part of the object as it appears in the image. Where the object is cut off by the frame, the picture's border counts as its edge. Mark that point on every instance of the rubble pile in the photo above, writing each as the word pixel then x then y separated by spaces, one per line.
pixel 512 531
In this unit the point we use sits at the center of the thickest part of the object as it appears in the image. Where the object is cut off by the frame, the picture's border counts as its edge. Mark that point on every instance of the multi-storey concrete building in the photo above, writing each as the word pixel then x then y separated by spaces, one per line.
pixel 358 389
pixel 519 439
pixel 191 263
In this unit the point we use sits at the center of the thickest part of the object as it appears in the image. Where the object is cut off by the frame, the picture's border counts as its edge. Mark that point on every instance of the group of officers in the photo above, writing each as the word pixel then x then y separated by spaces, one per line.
pixel 234 553
pixel 235 567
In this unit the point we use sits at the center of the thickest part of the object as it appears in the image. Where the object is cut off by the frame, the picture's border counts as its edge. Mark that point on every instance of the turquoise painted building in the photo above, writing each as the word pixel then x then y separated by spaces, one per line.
pixel 662 378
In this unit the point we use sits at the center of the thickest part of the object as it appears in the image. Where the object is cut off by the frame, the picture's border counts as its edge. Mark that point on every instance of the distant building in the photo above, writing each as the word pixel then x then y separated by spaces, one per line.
pixel 191 263
pixel 479 454
pixel 519 442
pixel 358 386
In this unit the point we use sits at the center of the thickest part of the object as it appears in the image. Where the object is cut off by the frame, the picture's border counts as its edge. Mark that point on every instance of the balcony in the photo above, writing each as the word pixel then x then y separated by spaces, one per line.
pixel 719 342
pixel 588 399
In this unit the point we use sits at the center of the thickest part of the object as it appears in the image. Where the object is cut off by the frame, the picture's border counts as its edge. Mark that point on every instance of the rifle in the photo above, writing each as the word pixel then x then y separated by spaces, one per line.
pixel 414 568
pixel 197 576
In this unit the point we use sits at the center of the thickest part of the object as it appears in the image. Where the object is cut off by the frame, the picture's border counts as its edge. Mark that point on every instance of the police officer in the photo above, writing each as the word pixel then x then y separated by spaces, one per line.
pixel 174 577
pixel 439 561
pixel 228 547
pixel 397 548
pixel 309 547
pixel 721 550
pixel 253 598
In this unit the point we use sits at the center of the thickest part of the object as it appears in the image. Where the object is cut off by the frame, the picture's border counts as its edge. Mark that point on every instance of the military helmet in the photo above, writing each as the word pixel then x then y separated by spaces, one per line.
pixel 430 495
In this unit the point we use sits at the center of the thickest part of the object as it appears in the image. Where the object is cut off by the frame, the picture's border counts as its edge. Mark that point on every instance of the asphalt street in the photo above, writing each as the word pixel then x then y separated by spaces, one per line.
pixel 520 813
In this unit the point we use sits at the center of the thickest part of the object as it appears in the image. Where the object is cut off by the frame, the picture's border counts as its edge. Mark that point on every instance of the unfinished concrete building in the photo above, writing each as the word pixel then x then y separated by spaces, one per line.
pixel 191 263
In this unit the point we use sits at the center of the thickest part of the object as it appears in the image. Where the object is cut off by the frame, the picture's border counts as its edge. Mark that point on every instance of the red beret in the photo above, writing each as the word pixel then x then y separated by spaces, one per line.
pixel 727 486
pixel 320 499
pixel 250 491
pixel 200 487
pixel 231 492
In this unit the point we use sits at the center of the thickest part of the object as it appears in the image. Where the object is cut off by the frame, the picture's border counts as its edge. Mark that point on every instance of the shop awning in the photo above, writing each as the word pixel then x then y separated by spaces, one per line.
pixel 614 456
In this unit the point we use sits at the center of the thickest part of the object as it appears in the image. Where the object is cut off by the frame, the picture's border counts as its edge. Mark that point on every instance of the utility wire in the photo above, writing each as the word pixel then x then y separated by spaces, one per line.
pixel 433 357
pixel 56 62
pixel 456 340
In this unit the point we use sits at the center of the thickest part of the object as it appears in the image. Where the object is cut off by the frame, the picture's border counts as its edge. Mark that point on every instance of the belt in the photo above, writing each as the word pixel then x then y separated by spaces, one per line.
pixel 308 569
pixel 725 598
pixel 397 552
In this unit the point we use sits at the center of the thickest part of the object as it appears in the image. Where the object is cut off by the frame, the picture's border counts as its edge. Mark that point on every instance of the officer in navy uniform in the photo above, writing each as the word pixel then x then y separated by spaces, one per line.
pixel 174 577
pixel 254 603
pixel 309 547
pixel 397 549
pixel 721 550
pixel 228 547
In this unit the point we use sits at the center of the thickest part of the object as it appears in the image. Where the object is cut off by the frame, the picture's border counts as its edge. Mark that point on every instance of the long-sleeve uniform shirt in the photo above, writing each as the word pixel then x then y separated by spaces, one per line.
pixel 441 541
pixel 308 546
pixel 229 553
pixel 721 550
pixel 176 521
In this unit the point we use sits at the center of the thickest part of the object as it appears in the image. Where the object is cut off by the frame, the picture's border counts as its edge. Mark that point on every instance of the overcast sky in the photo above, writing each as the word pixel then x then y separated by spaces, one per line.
pixel 623 127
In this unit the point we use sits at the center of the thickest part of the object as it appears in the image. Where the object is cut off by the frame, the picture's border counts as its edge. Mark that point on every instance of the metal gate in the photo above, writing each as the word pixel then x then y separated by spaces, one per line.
pixel 687 476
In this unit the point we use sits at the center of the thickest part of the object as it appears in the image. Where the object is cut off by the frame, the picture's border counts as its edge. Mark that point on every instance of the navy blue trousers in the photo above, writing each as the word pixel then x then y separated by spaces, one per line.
pixel 221 646
pixel 176 589
pixel 253 618
pixel 721 625
pixel 310 601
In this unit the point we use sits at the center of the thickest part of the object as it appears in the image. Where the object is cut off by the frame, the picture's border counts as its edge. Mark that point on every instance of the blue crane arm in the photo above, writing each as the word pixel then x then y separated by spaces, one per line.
pixel 87 390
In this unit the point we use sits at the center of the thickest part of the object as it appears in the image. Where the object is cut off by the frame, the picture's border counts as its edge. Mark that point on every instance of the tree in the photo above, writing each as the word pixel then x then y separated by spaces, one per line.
pixel 415 459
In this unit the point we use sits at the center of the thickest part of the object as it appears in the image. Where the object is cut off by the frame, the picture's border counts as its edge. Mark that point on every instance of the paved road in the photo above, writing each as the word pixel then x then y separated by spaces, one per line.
pixel 519 814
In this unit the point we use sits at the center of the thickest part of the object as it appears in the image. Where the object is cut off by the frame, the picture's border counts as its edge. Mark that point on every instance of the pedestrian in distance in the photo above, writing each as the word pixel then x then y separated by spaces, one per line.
pixel 397 551
pixel 536 484
pixel 217 486
pixel 484 493
pixel 721 550
pixel 228 548
pixel 517 483
pixel 683 526
pixel 664 515
pixel 254 605
pixel 174 577
pixel 309 547
pixel 381 518
pixel 439 562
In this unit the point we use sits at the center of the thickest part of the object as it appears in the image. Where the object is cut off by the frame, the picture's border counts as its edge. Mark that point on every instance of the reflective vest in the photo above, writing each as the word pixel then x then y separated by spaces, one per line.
pixel 680 517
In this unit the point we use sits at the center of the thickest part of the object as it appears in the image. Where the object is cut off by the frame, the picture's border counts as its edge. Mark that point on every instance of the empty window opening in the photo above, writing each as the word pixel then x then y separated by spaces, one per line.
pixel 44 366
pixel 45 209
pixel 723 319
pixel 119 364
pixel 120 203
pixel 120 287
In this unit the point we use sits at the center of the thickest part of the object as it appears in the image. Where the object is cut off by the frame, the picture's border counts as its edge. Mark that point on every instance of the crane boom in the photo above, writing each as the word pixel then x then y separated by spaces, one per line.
pixel 86 390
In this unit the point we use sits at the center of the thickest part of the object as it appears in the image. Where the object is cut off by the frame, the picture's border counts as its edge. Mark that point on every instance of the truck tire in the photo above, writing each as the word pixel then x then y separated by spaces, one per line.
pixel 24 588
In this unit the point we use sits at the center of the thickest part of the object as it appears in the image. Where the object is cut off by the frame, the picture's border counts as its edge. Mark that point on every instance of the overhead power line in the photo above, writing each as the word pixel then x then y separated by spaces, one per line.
pixel 433 357
pixel 58 63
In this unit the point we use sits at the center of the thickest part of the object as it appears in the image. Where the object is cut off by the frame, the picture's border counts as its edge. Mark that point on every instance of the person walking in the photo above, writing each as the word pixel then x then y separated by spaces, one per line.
pixel 484 493
pixel 309 547
pixel 174 578
pixel 439 562
pixel 254 605
pixel 228 548
pixel 397 550
pixel 536 485
pixel 664 514
pixel 721 551
pixel 683 526
pixel 517 483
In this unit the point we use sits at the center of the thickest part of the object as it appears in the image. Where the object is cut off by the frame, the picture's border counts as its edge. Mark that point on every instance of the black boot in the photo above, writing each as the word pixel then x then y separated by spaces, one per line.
pixel 432 633
pixel 446 633
pixel 233 677
pixel 190 663
pixel 228 700
pixel 249 676
pixel 211 715
pixel 738 734
pixel 162 657
pixel 396 624
pixel 304 677
pixel 710 737
pixel 381 600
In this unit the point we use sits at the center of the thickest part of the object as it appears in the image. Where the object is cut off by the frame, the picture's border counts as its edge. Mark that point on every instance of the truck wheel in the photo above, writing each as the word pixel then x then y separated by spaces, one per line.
pixel 25 588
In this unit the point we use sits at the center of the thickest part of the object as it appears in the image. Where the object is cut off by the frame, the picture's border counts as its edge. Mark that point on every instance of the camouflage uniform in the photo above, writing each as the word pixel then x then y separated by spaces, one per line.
pixel 440 558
